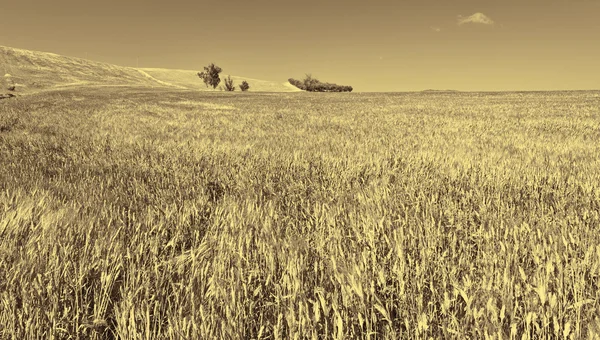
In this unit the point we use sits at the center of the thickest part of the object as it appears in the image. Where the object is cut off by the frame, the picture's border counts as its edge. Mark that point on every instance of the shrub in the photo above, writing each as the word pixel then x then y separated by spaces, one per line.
pixel 314 85
pixel 245 86
pixel 210 75
pixel 310 83
pixel 297 83
pixel 229 84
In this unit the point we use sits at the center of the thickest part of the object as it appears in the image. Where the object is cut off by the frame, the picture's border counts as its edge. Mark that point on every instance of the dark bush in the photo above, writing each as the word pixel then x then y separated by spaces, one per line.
pixel 314 85
pixel 310 83
pixel 297 83
pixel 245 86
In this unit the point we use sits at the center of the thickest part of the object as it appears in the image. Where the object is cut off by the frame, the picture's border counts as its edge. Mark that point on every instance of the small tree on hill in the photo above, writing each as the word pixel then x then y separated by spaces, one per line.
pixel 210 75
pixel 244 87
pixel 229 84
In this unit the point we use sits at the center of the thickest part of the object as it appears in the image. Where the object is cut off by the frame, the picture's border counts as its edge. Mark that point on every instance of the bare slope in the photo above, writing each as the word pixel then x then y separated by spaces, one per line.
pixel 189 79
pixel 32 70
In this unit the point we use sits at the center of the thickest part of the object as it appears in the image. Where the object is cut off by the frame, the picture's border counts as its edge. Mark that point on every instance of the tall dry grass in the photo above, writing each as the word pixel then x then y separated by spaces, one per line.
pixel 139 214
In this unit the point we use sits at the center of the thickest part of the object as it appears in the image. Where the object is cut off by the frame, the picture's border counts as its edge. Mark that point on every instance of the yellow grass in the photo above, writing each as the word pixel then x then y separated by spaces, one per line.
pixel 139 213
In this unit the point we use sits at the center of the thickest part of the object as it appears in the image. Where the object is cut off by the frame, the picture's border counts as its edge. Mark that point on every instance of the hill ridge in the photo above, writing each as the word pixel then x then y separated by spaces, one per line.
pixel 34 71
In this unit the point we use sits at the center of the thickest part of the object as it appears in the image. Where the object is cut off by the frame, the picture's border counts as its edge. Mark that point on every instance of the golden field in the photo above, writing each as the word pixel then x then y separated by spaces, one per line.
pixel 140 213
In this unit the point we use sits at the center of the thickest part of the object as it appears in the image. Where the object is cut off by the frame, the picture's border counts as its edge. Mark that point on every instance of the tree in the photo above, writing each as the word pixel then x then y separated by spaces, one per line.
pixel 244 87
pixel 229 84
pixel 310 83
pixel 210 75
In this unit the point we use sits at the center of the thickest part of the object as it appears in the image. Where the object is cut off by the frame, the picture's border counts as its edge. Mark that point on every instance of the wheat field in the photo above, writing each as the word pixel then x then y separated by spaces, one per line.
pixel 138 213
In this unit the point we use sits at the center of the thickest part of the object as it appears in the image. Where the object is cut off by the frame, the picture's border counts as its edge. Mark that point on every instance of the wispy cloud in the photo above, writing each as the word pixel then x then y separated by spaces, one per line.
pixel 435 28
pixel 477 18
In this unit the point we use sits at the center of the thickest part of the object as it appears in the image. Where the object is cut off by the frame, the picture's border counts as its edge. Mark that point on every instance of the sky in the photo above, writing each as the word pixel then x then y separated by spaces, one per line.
pixel 375 45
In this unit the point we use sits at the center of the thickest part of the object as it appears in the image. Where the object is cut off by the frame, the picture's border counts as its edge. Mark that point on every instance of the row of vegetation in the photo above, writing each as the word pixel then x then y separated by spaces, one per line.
pixel 314 85
pixel 210 76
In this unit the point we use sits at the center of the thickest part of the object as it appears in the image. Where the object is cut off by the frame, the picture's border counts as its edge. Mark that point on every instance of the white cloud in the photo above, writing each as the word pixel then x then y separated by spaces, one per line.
pixel 477 18
pixel 435 29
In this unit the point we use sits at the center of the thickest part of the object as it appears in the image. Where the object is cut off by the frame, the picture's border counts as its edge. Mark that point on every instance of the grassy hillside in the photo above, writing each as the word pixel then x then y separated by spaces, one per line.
pixel 141 213
pixel 33 71
pixel 189 79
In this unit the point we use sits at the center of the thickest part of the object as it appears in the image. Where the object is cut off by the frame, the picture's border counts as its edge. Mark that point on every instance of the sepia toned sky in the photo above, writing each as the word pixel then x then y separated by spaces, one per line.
pixel 375 45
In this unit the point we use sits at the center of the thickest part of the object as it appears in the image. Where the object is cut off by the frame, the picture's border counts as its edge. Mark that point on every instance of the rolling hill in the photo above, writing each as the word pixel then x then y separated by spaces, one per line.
pixel 35 71
pixel 189 80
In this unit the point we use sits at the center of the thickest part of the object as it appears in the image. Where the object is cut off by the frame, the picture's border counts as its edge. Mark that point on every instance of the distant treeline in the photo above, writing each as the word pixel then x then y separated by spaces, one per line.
pixel 313 85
